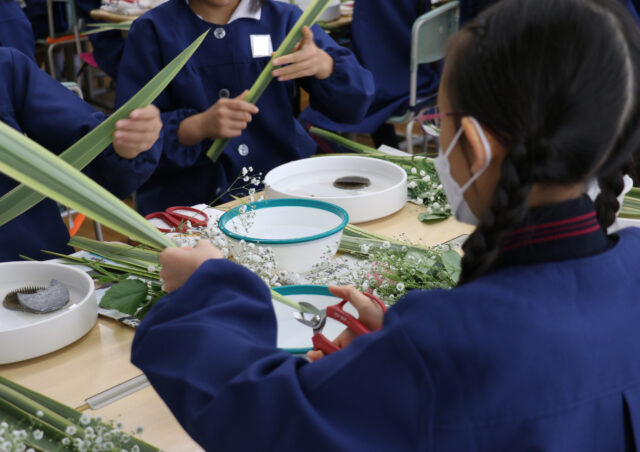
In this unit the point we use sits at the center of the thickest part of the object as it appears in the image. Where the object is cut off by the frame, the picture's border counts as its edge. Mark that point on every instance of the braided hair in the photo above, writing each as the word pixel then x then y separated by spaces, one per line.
pixel 557 80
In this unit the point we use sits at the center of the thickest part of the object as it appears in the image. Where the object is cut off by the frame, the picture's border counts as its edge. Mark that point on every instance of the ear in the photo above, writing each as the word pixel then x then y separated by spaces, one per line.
pixel 478 151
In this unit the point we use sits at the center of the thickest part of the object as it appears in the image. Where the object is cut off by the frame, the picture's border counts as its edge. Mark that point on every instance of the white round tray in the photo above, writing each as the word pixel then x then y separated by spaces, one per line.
pixel 295 337
pixel 313 178
pixel 24 335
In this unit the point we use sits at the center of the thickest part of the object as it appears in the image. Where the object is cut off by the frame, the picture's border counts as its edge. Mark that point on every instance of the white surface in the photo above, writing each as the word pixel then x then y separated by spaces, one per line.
pixel 24 335
pixel 393 151
pixel 313 179
pixel 293 334
pixel 331 13
pixel 285 223
pixel 622 223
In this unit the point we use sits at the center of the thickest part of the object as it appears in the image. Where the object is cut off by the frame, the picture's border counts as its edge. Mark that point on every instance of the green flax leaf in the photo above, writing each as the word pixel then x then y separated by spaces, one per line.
pixel 31 164
pixel 83 152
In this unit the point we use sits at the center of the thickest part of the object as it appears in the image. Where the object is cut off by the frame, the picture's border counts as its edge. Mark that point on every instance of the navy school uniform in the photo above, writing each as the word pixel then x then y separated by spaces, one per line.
pixel 15 28
pixel 37 105
pixel 224 66
pixel 108 47
pixel 382 44
pixel 542 354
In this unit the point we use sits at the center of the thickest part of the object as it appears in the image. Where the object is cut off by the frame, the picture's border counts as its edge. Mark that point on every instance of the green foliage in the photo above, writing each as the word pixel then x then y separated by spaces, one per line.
pixel 631 205
pixel 126 296
pixel 44 424
pixel 85 150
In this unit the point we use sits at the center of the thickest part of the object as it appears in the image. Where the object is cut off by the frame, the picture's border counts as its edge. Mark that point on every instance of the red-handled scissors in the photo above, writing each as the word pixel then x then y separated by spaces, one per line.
pixel 177 217
pixel 317 319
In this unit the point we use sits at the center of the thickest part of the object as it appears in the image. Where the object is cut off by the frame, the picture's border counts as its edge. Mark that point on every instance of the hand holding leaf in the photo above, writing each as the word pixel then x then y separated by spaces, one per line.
pixel 306 60
pixel 138 132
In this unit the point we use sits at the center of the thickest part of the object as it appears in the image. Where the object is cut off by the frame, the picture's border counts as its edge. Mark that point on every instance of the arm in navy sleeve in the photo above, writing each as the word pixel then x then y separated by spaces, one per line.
pixel 141 60
pixel 209 351
pixel 348 92
pixel 56 118
pixel 15 28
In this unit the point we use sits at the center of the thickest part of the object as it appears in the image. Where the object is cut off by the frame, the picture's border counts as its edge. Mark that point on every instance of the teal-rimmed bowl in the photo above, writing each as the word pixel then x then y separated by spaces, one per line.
pixel 300 231
pixel 293 336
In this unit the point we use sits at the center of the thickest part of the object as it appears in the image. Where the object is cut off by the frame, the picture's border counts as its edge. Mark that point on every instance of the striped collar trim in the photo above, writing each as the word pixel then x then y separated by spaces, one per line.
pixel 553 230
pixel 557 232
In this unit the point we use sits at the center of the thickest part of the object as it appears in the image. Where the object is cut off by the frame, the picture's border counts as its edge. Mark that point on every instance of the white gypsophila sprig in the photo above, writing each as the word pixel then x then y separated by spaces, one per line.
pixel 424 188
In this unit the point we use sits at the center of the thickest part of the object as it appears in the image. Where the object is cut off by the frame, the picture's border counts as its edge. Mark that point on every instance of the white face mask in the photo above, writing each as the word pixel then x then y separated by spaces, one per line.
pixel 455 193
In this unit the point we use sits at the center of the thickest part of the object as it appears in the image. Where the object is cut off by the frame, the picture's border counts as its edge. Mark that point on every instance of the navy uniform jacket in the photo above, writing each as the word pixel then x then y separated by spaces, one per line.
pixel 36 11
pixel 34 103
pixel 382 44
pixel 540 355
pixel 15 29
pixel 224 66
pixel 108 47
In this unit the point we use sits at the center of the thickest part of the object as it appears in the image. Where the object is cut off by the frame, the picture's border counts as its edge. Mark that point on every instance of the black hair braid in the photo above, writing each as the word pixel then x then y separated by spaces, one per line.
pixel 611 187
pixel 529 71
pixel 508 208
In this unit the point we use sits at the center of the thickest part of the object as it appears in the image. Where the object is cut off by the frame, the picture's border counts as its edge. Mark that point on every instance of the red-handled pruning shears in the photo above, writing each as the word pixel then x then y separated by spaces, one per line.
pixel 178 218
pixel 317 319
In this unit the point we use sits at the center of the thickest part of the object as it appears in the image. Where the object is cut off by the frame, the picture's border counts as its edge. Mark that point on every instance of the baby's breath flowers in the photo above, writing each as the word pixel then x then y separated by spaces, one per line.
pixel 425 189
pixel 387 268
pixel 94 436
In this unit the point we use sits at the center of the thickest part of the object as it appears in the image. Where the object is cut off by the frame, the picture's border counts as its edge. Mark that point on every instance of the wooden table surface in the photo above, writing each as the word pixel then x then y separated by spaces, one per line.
pixel 100 359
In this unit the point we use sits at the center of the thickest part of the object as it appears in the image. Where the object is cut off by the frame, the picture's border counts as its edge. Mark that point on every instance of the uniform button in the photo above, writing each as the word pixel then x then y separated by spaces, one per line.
pixel 224 93
pixel 219 33
pixel 243 150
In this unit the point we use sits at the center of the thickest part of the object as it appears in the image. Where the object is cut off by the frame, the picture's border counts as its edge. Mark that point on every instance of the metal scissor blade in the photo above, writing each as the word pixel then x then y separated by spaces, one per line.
pixel 308 307
pixel 312 316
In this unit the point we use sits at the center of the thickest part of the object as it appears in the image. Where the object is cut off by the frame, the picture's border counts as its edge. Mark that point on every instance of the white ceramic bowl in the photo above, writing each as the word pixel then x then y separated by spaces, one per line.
pixel 331 13
pixel 300 231
pixel 295 337
pixel 313 178
pixel 24 335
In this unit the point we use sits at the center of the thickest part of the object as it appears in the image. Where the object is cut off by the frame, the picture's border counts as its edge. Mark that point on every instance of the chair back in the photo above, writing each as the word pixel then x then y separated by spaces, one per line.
pixel 429 37
pixel 70 16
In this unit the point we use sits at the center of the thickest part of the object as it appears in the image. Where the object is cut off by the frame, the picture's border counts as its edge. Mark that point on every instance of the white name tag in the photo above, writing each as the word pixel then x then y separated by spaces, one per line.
pixel 261 46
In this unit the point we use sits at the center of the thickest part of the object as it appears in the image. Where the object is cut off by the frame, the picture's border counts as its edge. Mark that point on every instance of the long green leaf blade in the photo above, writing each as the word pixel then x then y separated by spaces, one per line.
pixel 308 18
pixel 349 144
pixel 83 152
pixel 37 401
pixel 31 164
pixel 108 26
pixel 113 250
pixel 134 256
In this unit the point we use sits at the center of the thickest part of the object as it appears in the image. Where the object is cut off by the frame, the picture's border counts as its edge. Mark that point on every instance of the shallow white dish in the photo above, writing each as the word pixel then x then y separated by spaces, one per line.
pixel 24 335
pixel 301 232
pixel 295 337
pixel 314 178
pixel 331 13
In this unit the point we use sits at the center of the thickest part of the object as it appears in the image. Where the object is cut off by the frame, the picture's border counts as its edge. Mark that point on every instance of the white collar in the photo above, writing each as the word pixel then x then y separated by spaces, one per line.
pixel 243 11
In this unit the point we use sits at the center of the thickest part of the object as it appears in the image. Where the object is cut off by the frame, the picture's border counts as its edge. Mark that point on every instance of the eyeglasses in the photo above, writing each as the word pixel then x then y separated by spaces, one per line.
pixel 431 120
